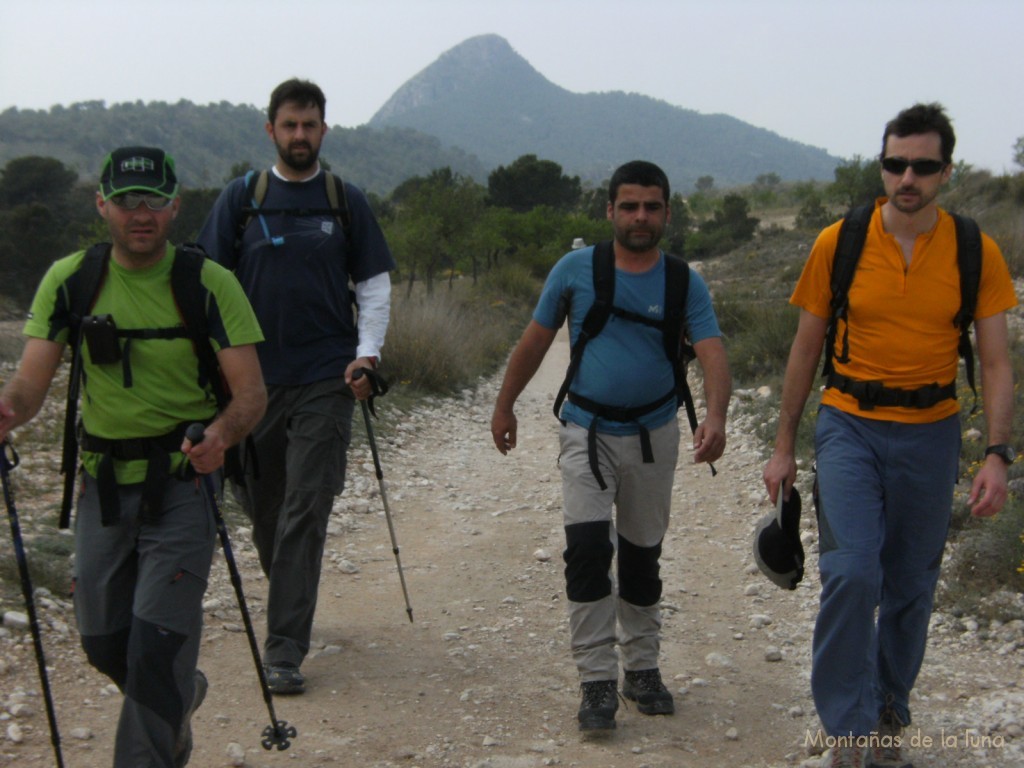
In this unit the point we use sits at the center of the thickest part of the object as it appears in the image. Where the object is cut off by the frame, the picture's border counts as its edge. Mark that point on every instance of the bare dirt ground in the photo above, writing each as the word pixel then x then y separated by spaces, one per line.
pixel 483 677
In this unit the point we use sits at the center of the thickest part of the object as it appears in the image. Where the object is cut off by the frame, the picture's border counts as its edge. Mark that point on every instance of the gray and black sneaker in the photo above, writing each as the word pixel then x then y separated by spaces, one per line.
pixel 644 686
pixel 599 704
pixel 183 747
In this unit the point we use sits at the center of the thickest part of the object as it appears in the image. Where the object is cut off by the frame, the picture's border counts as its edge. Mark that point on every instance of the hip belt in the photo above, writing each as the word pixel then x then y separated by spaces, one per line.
pixel 614 413
pixel 156 451
pixel 870 394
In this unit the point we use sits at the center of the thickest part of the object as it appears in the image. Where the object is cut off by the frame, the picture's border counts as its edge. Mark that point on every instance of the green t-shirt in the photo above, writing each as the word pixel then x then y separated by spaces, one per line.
pixel 159 388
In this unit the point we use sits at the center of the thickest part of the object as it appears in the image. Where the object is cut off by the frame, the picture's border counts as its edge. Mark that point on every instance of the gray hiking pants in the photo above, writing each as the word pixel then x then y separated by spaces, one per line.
pixel 626 523
pixel 301 444
pixel 138 592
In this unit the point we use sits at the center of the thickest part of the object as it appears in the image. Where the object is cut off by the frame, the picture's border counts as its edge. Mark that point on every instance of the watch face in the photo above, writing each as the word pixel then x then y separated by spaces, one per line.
pixel 1004 452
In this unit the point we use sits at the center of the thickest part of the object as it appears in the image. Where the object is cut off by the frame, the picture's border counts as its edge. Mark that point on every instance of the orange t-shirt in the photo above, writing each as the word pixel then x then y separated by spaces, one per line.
pixel 901 329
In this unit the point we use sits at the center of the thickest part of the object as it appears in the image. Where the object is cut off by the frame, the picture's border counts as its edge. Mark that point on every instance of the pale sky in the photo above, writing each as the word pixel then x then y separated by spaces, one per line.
pixel 828 73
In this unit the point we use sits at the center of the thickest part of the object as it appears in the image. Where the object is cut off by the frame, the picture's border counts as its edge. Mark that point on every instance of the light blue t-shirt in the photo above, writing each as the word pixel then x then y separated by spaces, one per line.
pixel 625 365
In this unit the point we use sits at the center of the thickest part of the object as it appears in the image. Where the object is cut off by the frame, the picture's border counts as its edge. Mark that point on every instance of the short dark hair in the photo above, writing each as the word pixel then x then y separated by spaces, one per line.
pixel 923 118
pixel 303 92
pixel 638 172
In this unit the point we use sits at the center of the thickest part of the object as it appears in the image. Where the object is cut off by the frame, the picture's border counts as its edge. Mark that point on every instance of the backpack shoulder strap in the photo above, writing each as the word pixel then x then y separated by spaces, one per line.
pixel 603 267
pixel 673 332
pixel 337 198
pixel 191 300
pixel 852 234
pixel 604 289
pixel 677 287
pixel 83 288
pixel 968 256
pixel 968 259
pixel 255 193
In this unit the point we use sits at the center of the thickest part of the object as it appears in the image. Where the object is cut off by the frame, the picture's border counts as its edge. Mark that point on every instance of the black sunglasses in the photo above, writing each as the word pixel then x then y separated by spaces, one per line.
pixel 132 200
pixel 899 165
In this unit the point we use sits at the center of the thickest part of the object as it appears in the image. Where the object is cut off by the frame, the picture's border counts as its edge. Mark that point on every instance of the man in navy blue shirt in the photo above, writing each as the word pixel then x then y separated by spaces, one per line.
pixel 295 256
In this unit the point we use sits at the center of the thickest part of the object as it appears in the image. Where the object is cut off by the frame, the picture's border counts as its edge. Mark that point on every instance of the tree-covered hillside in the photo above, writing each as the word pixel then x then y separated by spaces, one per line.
pixel 207 141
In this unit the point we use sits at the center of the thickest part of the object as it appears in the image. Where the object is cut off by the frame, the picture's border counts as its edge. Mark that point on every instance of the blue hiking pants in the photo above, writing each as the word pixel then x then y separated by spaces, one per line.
pixel 886 496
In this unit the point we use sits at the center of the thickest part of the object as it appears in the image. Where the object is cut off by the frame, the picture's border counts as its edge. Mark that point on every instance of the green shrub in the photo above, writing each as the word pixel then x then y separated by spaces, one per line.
pixel 511 283
pixel 439 344
pixel 758 335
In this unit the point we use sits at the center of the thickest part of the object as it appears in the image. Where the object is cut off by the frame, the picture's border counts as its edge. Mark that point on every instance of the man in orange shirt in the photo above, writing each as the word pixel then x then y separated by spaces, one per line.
pixel 886 473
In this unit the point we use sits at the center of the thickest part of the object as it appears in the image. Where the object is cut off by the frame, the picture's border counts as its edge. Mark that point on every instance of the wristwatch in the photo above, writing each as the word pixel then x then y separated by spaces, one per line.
pixel 1003 451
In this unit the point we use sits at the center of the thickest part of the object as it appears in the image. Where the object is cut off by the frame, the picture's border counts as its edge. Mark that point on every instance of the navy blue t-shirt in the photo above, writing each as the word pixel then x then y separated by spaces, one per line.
pixel 295 271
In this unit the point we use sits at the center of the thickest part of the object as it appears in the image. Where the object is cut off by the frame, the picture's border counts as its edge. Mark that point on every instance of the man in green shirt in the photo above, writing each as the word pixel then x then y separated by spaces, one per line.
pixel 141 570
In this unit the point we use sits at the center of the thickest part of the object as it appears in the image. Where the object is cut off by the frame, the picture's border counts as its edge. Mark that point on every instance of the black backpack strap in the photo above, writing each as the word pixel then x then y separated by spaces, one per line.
pixel 191 300
pixel 678 350
pixel 968 257
pixel 255 191
pixel 338 200
pixel 603 266
pixel 852 234
pixel 83 288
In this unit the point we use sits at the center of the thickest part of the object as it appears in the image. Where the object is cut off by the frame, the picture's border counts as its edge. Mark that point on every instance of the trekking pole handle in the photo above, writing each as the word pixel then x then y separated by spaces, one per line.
pixel 8 456
pixel 195 433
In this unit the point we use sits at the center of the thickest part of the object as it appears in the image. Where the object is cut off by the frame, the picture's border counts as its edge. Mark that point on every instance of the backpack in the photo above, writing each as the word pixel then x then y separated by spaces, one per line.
pixel 84 288
pixel 852 235
pixel 673 330
pixel 256 192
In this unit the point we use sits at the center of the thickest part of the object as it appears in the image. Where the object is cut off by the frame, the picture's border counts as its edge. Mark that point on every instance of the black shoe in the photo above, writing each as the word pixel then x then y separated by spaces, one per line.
pixel 650 694
pixel 284 679
pixel 600 702
pixel 183 747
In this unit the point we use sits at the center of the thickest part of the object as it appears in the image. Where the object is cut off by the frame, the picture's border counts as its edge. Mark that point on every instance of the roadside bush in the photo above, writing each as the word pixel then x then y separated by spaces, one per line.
pixel 758 334
pixel 510 283
pixel 439 344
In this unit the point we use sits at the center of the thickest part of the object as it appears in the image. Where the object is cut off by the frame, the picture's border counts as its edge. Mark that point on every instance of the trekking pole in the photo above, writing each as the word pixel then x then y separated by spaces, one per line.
pixel 278 733
pixel 8 461
pixel 379 387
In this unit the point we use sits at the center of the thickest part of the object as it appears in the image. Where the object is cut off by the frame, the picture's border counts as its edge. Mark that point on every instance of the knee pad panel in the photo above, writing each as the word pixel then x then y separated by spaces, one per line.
pixel 588 559
pixel 153 651
pixel 109 654
pixel 639 579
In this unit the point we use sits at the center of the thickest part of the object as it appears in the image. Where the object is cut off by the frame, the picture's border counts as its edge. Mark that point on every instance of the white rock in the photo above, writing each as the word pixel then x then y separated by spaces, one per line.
pixel 236 754
pixel 542 555
pixel 15 620
pixel 715 659
pixel 20 710
pixel 771 653
pixel 732 734
pixel 14 733
pixel 82 734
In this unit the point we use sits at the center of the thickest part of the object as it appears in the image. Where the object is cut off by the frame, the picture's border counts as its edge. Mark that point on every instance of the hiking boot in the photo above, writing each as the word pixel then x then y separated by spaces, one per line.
pixel 644 686
pixel 183 746
pixel 600 702
pixel 284 679
pixel 843 757
pixel 887 747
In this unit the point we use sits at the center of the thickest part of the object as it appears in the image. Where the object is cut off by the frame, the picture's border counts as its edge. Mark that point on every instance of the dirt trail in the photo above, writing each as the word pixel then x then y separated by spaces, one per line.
pixel 483 677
